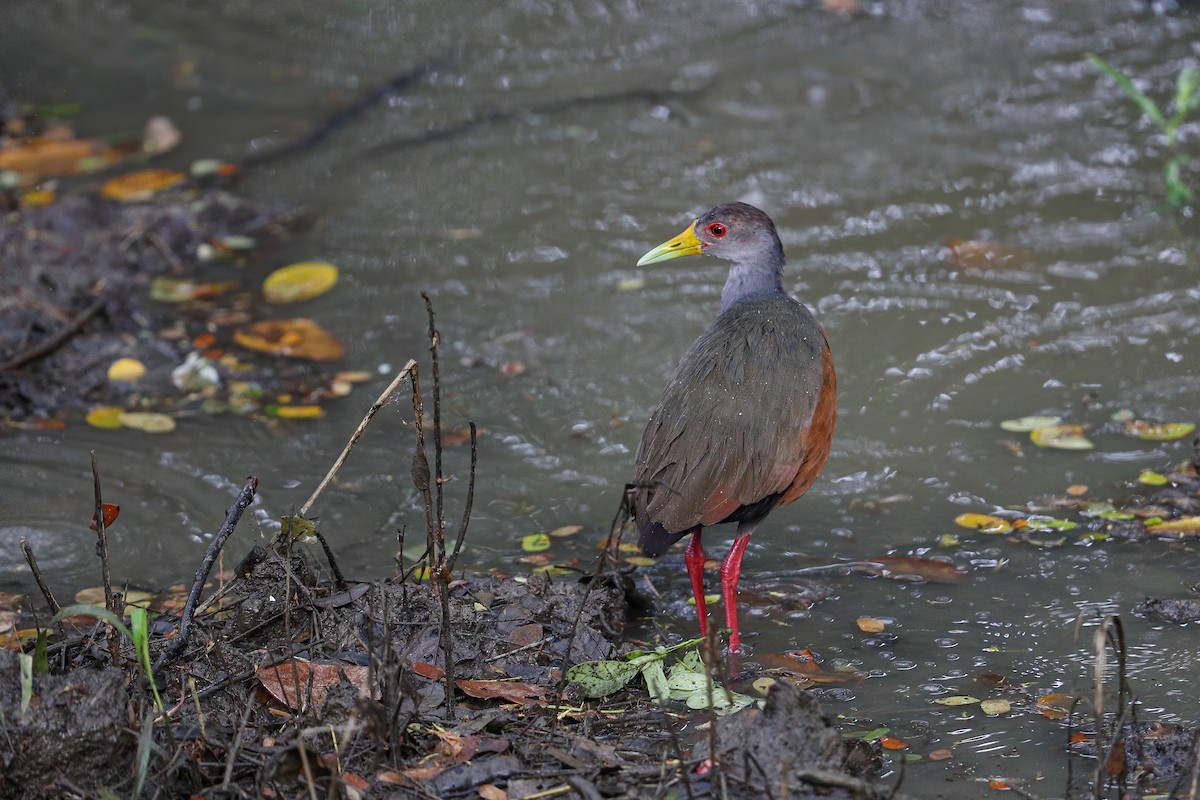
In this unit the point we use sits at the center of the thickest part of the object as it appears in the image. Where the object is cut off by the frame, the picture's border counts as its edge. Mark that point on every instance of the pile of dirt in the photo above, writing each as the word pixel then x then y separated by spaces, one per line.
pixel 293 687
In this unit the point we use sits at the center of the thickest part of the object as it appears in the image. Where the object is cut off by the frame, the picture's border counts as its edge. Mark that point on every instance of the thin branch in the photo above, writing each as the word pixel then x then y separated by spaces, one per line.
pixel 48 346
pixel 102 537
pixel 466 517
pixel 244 499
pixel 434 341
pixel 37 576
pixel 404 372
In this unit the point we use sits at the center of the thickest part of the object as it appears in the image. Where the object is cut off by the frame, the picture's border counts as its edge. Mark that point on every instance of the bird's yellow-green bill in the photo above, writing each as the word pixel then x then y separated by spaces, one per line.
pixel 685 244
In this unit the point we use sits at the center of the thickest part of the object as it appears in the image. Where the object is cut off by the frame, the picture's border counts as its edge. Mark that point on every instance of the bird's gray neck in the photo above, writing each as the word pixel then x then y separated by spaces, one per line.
pixel 754 276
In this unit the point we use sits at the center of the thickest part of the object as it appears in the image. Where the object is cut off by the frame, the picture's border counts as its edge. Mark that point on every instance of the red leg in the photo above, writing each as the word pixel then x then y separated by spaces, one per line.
pixel 731 572
pixel 694 558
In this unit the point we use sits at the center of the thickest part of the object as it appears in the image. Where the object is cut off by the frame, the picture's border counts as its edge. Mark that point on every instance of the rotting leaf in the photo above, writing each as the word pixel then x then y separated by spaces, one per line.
pixel 290 682
pixel 298 529
pixel 137 187
pixel 1061 437
pixel 602 678
pixel 39 157
pixel 1055 705
pixel 957 700
pixel 300 281
pixel 912 568
pixel 892 743
pixel 983 522
pixel 526 694
pixel 1165 432
pixel 295 338
pixel 976 253
pixel 1028 424
pixel 995 707
pixel 566 530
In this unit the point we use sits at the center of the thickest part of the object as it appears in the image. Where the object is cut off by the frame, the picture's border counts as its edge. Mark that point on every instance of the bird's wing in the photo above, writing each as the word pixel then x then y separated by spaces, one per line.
pixel 730 428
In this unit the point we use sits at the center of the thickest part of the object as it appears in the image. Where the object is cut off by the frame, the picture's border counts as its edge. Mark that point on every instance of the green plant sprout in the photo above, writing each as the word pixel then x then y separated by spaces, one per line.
pixel 1187 100
pixel 687 679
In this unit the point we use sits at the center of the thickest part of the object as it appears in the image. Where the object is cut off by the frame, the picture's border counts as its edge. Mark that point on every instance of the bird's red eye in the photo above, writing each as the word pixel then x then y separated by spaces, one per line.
pixel 716 230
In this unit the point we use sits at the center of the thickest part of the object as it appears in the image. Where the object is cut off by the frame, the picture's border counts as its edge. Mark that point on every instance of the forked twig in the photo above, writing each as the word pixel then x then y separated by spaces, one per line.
pixel 37 576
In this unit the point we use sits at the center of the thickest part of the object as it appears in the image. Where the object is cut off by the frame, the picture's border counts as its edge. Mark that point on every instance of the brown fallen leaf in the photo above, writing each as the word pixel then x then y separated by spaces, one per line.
pixel 299 683
pixel 525 694
pixel 912 568
pixel 136 187
pixel 296 338
pixel 1184 526
pixel 38 158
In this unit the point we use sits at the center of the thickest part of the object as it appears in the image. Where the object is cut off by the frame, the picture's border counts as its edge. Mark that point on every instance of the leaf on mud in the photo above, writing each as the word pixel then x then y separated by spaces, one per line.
pixel 489 791
pixel 137 187
pixel 1183 525
pixel 426 670
pixel 126 370
pixel 983 522
pixel 957 700
pixel 525 635
pixel 912 568
pixel 37 158
pixel 105 417
pixel 171 290
pixel 656 682
pixel 147 421
pixel 526 694
pixel 535 543
pixel 301 281
pixel 291 681
pixel 602 678
pixel 295 338
pixel 1165 432
pixel 1028 424
pixel 1061 437
pixel 110 510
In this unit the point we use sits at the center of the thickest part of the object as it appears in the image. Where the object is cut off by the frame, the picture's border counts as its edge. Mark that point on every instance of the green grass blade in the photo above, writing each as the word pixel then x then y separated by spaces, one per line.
pixel 141 643
pixel 1140 99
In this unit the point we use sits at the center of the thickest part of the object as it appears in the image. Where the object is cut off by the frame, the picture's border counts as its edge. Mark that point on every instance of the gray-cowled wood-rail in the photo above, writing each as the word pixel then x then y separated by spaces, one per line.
pixel 746 424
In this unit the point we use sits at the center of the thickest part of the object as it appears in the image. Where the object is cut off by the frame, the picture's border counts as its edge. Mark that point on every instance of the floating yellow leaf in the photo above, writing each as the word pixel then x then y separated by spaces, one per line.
pixel 994 707
pixel 296 412
pixel 106 417
pixel 297 338
pixel 139 186
pixel 1181 525
pixel 147 421
pixel 1061 437
pixel 708 598
pixel 1151 478
pixel 126 370
pixel 983 522
pixel 37 198
pixel 551 569
pixel 566 530
pixel 870 624
pixel 1055 705
pixel 640 561
pixel 957 700
pixel 763 685
pixel 301 281
pixel 1165 432
pixel 535 543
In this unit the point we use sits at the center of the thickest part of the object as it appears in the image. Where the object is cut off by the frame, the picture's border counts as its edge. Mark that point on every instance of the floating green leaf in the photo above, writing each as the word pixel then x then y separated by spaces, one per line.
pixel 1166 432
pixel 535 543
pixel 957 700
pixel 983 522
pixel 1049 524
pixel 1151 478
pixel 1027 424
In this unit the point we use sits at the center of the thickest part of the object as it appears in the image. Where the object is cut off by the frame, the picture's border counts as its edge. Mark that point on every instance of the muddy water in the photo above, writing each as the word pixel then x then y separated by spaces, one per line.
pixel 871 141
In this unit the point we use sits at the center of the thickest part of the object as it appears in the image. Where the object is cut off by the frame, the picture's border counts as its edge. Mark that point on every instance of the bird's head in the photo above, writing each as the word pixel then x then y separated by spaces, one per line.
pixel 734 231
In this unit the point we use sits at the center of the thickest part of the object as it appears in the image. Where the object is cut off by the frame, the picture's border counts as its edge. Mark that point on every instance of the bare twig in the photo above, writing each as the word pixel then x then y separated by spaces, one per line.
pixel 101 537
pixel 48 346
pixel 404 373
pixel 1110 632
pixel 244 499
pixel 37 576
pixel 466 517
pixel 434 341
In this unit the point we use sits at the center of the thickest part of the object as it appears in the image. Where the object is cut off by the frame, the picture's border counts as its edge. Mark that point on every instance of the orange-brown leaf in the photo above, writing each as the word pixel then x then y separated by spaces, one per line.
pixel 40 157
pixel 136 187
pixel 298 684
pixel 111 510
pixel 525 694
pixel 296 338
pixel 911 567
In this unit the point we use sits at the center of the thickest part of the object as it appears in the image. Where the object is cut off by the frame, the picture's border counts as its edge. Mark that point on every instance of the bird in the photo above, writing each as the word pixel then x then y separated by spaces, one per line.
pixel 746 423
